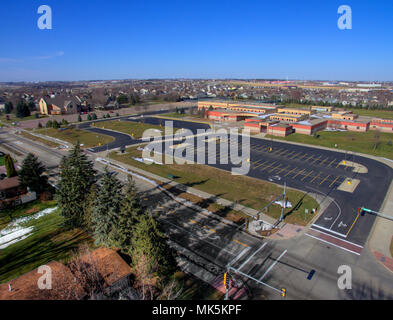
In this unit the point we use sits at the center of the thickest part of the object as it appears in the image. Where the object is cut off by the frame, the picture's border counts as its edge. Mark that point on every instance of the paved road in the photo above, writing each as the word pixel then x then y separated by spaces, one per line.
pixel 321 171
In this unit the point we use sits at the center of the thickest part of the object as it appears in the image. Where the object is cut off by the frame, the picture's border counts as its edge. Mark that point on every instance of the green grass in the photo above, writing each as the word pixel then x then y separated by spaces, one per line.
pixel 353 141
pixel 14 118
pixel 374 113
pixel 23 210
pixel 47 242
pixel 129 127
pixel 44 141
pixel 244 190
pixel 361 112
pixel 72 135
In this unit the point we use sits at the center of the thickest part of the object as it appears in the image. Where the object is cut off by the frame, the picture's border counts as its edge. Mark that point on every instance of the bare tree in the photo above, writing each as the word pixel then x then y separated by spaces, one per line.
pixel 377 141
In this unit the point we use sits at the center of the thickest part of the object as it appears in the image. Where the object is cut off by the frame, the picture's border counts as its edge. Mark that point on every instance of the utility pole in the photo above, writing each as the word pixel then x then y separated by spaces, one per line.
pixel 226 284
pixel 284 203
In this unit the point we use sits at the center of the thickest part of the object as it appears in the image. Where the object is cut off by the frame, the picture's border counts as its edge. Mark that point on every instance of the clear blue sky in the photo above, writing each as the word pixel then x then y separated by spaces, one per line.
pixel 97 39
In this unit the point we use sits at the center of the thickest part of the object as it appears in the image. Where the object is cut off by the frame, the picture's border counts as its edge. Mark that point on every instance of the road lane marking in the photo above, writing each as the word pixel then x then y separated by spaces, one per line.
pixel 241 243
pixel 333 244
pixel 325 179
pixel 321 163
pixel 261 164
pixel 331 162
pixel 310 158
pixel 291 171
pixel 334 181
pixel 264 168
pixel 275 168
pixel 296 155
pixel 305 155
pixel 283 169
pixel 307 175
pixel 315 177
pixel 298 173
pixel 249 258
pixel 352 225
pixel 273 264
pixel 315 160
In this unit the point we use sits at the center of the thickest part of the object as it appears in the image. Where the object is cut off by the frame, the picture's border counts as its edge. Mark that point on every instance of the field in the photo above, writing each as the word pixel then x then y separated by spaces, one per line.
pixel 47 242
pixel 362 142
pixel 72 135
pixel 128 127
pixel 13 118
pixel 38 139
pixel 244 190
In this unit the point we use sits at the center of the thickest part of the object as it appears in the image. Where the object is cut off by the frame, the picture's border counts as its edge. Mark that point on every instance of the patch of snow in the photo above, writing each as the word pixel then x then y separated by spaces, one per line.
pixel 15 232
pixel 281 203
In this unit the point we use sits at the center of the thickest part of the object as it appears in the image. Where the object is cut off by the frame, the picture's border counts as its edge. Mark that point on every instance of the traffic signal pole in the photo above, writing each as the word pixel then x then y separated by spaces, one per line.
pixel 376 213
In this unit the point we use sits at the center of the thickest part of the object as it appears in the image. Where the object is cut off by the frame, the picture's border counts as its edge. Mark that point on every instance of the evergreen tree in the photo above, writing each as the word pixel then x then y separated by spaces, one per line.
pixel 89 117
pixel 94 116
pixel 106 210
pixel 8 107
pixel 127 217
pixel 89 207
pixel 55 124
pixel 79 118
pixel 39 126
pixel 9 166
pixel 151 256
pixel 22 110
pixel 31 174
pixel 64 122
pixel 48 124
pixel 76 177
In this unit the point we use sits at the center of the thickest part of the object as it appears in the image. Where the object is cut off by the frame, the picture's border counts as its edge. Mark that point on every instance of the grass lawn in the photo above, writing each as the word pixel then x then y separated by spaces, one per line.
pixel 248 191
pixel 128 127
pixel 14 118
pixel 72 135
pixel 47 242
pixel 374 113
pixel 44 141
pixel 353 141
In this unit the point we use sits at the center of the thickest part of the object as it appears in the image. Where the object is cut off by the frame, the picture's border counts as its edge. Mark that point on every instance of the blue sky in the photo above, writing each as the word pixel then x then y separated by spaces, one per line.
pixel 118 39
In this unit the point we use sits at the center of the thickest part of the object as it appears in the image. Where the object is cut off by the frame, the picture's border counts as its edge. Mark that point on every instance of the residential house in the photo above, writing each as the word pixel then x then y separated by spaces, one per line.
pixel 53 105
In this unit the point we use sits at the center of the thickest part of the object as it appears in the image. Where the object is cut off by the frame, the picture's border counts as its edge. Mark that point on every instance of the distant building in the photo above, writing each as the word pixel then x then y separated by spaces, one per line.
pixel 52 105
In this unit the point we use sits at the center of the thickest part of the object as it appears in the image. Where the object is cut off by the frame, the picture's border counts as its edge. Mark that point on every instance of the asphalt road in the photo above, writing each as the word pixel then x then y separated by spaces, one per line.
pixel 217 243
pixel 316 170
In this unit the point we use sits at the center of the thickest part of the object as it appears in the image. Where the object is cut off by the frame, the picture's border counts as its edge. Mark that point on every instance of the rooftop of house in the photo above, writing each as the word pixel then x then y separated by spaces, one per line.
pixel 110 266
pixel 9 183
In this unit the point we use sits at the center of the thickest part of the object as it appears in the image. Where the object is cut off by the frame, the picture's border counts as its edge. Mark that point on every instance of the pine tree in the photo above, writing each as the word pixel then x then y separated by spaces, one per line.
pixel 127 217
pixel 76 177
pixel 9 166
pixel 31 174
pixel 151 256
pixel 79 118
pixel 106 210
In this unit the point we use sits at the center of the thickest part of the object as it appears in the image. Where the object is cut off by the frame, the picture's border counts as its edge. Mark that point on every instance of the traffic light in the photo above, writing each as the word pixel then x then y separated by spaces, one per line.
pixel 283 292
pixel 226 280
